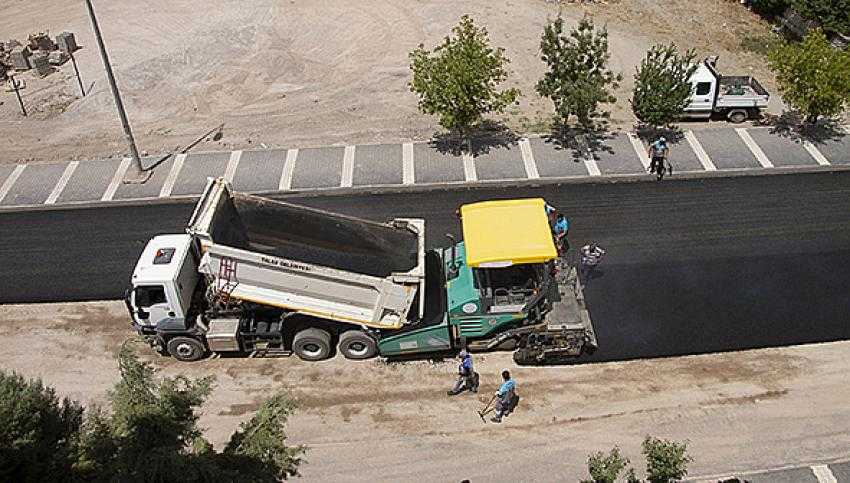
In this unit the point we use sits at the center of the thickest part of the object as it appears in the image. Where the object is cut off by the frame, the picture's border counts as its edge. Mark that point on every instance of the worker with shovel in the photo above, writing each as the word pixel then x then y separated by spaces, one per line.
pixel 466 377
pixel 506 398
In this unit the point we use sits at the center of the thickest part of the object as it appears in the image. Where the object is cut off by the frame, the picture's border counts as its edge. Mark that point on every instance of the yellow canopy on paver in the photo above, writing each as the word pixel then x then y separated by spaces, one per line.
pixel 507 232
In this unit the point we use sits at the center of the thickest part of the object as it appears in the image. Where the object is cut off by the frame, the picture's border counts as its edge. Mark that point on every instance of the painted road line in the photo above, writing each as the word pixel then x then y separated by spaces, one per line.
pixel 815 152
pixel 116 180
pixel 592 167
pixel 528 159
pixel 823 474
pixel 171 179
pixel 232 164
pixel 703 157
pixel 408 175
pixel 288 168
pixel 7 185
pixel 639 149
pixel 469 168
pixel 347 178
pixel 754 148
pixel 63 181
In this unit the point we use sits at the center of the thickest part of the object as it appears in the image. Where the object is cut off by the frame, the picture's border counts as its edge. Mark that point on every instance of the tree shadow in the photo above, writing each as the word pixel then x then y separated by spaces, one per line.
pixel 584 143
pixel 792 125
pixel 489 134
pixel 648 134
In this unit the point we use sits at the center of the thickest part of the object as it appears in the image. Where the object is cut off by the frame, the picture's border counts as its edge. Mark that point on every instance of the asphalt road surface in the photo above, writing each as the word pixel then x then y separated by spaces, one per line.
pixel 692 266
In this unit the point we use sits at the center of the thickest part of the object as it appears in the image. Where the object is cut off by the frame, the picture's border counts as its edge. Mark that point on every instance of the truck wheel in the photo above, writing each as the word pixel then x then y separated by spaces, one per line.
pixel 357 345
pixel 186 349
pixel 312 344
pixel 738 116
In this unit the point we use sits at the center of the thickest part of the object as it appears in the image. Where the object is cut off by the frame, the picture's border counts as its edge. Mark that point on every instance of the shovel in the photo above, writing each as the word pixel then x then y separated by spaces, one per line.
pixel 486 409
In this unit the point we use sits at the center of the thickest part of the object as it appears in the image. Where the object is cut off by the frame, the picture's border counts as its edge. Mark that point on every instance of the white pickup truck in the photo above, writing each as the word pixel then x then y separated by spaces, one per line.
pixel 738 98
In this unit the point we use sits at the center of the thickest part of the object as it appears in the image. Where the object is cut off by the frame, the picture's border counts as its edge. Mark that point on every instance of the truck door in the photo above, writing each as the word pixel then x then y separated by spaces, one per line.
pixel 702 100
pixel 151 304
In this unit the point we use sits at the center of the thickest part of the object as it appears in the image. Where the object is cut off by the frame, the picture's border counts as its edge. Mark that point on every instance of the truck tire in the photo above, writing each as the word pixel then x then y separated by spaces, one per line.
pixel 357 345
pixel 737 116
pixel 186 349
pixel 312 344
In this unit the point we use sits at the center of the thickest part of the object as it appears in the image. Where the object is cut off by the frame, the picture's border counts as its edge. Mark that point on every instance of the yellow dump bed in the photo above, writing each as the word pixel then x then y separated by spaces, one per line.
pixel 507 232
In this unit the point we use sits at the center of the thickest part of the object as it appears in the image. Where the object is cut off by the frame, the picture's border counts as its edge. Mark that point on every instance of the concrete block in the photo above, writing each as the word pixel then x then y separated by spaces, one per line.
pixel 67 42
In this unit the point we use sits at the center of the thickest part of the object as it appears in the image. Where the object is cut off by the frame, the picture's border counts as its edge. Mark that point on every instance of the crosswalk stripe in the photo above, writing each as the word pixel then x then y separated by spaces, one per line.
pixel 528 159
pixel 347 178
pixel 469 168
pixel 592 167
pixel 173 173
pixel 288 169
pixel 639 149
pixel 10 181
pixel 702 156
pixel 823 474
pixel 753 147
pixel 232 165
pixel 116 180
pixel 815 153
pixel 63 181
pixel 408 175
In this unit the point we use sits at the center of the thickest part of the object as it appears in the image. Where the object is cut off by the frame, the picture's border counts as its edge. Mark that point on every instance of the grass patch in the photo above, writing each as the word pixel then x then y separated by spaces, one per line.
pixel 760 44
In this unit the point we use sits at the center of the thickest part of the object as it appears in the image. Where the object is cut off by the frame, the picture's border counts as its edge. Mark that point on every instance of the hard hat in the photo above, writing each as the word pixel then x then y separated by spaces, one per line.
pixel 463 353
pixel 662 139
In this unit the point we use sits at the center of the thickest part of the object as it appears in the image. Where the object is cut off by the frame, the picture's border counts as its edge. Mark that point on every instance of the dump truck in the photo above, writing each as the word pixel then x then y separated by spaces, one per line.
pixel 737 98
pixel 260 277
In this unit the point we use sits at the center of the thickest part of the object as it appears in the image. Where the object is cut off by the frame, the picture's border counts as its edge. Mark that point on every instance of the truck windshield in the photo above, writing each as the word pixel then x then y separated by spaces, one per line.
pixel 147 295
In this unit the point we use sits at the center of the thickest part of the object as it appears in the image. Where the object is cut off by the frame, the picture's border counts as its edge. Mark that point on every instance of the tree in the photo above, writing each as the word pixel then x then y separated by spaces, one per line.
pixel 833 15
pixel 151 434
pixel 813 77
pixel 38 431
pixel 578 78
pixel 662 85
pixel 665 460
pixel 606 468
pixel 771 8
pixel 458 80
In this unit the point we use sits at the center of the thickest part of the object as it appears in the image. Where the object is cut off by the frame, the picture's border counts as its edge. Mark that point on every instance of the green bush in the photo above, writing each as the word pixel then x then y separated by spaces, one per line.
pixel 665 460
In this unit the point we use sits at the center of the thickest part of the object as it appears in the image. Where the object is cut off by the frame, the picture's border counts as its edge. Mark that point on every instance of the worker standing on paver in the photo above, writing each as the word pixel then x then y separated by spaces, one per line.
pixel 506 397
pixel 467 378
pixel 658 152
pixel 560 229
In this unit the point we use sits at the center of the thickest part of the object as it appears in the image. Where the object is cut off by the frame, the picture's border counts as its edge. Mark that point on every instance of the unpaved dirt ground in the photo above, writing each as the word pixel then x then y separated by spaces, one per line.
pixel 378 422
pixel 297 73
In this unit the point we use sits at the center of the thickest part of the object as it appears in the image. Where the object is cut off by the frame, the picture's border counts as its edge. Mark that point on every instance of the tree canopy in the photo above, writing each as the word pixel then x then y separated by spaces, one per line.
pixel 662 85
pixel 459 79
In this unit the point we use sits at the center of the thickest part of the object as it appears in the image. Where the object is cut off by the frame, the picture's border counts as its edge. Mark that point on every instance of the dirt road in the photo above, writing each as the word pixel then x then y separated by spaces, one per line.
pixel 300 73
pixel 378 422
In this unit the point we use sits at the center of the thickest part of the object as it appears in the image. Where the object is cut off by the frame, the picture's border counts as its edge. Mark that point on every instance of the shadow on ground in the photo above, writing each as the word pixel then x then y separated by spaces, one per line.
pixel 791 124
pixel 583 143
pixel 481 140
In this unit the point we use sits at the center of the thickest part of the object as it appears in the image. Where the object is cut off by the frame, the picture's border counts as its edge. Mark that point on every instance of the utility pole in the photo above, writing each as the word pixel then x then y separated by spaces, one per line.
pixel 77 72
pixel 16 84
pixel 138 176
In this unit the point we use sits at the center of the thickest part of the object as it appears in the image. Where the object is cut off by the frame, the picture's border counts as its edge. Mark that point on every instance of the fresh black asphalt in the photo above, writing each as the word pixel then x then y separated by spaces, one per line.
pixel 692 266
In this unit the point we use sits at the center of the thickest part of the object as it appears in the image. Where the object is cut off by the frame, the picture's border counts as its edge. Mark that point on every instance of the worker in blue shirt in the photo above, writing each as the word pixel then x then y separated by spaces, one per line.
pixel 506 398
pixel 467 378
pixel 561 228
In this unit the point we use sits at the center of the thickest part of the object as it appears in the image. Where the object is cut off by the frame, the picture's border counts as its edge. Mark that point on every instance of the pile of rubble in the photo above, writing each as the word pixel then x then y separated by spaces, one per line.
pixel 40 53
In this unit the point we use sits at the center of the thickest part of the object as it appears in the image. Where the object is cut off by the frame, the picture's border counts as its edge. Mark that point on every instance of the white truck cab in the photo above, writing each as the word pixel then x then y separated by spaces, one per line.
pixel 164 281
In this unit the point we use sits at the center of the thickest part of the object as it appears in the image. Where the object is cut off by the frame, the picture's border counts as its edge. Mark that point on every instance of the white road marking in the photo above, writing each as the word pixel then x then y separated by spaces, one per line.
pixel 347 178
pixel 823 474
pixel 116 180
pixel 63 181
pixel 408 175
pixel 288 169
pixel 232 164
pixel 639 149
pixel 703 157
pixel 469 168
pixel 754 148
pixel 528 159
pixel 7 185
pixel 171 179
pixel 592 167
pixel 816 154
